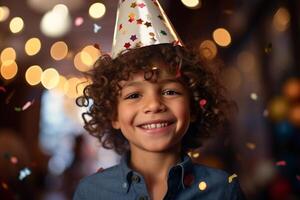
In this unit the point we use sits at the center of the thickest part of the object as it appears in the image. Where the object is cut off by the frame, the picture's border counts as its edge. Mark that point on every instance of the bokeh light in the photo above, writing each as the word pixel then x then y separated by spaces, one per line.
pixel 222 37
pixel 97 10
pixel 294 115
pixel 208 49
pixel 246 61
pixel 281 19
pixel 89 55
pixel 4 13
pixel 232 79
pixel 9 69
pixel 59 50
pixel 291 89
pixel 72 90
pixel 33 75
pixel 62 84
pixel 16 25
pixel 194 4
pixel 57 22
pixel 278 108
pixel 32 46
pixel 8 54
pixel 50 78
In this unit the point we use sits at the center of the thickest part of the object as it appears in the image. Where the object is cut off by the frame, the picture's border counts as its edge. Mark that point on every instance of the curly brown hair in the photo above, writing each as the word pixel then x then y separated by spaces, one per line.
pixel 101 96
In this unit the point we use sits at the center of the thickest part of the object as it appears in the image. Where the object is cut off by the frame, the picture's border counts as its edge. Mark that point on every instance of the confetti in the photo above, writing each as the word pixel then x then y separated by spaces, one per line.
pixel 78 21
pixel 18 109
pixel 139 21
pixel 24 173
pixel 202 103
pixel 4 185
pixel 230 178
pixel 253 96
pixel 96 28
pixel 141 5
pixel 268 49
pixel 202 185
pixel 163 32
pixel 14 160
pixel 251 145
pixel 281 163
pixel 127 45
pixel 2 89
pixel 27 105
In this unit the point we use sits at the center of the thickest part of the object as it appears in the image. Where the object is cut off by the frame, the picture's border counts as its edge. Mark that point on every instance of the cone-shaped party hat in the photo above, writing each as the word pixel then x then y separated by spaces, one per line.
pixel 141 23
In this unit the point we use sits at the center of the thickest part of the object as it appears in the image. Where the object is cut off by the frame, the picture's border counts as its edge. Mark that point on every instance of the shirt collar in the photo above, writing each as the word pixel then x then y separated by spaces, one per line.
pixel 184 167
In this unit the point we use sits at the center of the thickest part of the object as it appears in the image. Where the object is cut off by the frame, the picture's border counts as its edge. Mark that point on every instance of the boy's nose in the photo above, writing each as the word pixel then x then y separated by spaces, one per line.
pixel 154 104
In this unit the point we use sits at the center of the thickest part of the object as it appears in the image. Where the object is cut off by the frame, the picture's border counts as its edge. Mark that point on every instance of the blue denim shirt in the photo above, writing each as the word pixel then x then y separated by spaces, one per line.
pixel 186 181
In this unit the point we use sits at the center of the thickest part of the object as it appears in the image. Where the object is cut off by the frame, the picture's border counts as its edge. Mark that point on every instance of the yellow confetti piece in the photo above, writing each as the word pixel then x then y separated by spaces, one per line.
pixel 250 145
pixel 230 178
pixel 202 185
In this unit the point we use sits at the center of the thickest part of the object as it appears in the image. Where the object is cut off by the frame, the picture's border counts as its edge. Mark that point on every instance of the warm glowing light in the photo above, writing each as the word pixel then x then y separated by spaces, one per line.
pixel 278 108
pixel 281 19
pixel 57 22
pixel 222 37
pixel 4 13
pixel 202 185
pixel 33 75
pixel 79 65
pixel 8 54
pixel 232 78
pixel 32 46
pixel 97 10
pixel 294 115
pixel 59 50
pixel 72 90
pixel 50 78
pixel 194 4
pixel 208 49
pixel 16 25
pixel 62 85
pixel 291 89
pixel 9 69
pixel 89 55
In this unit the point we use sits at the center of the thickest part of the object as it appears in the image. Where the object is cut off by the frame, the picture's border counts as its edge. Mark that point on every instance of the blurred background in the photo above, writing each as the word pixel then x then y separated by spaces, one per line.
pixel 45 46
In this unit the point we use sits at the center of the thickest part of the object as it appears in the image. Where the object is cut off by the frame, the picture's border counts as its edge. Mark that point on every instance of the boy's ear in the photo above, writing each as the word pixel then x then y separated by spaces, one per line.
pixel 115 124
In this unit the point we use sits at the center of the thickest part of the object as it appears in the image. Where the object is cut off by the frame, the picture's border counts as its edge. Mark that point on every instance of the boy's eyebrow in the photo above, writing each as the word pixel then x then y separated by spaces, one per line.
pixel 164 81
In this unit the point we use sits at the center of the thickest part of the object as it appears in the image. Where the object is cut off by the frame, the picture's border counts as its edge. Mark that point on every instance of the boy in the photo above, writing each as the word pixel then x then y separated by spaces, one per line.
pixel 152 104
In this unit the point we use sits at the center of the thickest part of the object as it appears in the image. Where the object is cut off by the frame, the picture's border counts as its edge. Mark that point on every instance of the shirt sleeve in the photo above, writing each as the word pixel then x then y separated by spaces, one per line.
pixel 79 193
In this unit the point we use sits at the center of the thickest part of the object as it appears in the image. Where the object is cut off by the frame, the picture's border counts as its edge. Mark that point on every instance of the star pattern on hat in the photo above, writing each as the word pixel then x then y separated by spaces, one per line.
pixel 120 26
pixel 131 17
pixel 133 38
pixel 141 5
pixel 148 24
pixel 163 32
pixel 127 45
pixel 139 21
pixel 160 17
pixel 133 5
pixel 139 44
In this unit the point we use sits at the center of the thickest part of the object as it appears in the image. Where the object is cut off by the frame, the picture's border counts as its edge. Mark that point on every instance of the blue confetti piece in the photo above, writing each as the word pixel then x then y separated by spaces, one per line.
pixel 24 173
pixel 97 28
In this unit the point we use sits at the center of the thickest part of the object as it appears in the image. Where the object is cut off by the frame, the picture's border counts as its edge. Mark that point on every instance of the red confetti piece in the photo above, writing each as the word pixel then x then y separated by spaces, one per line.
pixel 78 21
pixel 139 21
pixel 120 26
pixel 141 5
pixel 14 160
pixel 97 46
pixel 281 163
pixel 202 103
pixel 188 180
pixel 27 105
pixel 2 89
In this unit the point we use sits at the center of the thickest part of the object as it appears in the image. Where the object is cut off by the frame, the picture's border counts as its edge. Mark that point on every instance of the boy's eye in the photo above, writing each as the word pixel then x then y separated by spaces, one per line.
pixel 132 96
pixel 170 92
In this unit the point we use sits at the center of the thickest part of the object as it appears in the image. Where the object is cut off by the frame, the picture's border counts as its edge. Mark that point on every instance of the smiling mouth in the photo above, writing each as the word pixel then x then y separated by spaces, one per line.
pixel 157 125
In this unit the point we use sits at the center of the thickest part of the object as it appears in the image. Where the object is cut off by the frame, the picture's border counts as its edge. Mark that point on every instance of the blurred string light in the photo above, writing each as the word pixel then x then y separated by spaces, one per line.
pixel 294 115
pixel 33 75
pixel 74 87
pixel 62 85
pixel 281 19
pixel 194 4
pixel 32 46
pixel 56 22
pixel 278 108
pixel 291 89
pixel 59 50
pixel 84 60
pixel 9 69
pixel 208 49
pixel 8 54
pixel 4 13
pixel 222 37
pixel 97 10
pixel 16 24
pixel 50 78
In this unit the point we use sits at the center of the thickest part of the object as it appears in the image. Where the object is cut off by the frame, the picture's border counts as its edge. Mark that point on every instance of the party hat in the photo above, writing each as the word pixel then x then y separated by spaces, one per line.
pixel 141 23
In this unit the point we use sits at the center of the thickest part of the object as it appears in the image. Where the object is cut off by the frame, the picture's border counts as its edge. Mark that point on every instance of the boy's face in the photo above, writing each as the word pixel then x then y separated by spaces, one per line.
pixel 153 116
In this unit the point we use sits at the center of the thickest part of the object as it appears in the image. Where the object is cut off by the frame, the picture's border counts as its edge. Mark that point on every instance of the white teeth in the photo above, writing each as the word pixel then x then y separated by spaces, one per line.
pixel 153 126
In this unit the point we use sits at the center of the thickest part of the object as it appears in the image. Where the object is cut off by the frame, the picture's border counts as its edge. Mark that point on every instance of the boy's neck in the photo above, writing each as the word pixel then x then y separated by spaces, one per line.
pixel 154 166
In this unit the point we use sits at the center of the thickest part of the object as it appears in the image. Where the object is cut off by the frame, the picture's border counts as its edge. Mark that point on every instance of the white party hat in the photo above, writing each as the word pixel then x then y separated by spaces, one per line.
pixel 141 23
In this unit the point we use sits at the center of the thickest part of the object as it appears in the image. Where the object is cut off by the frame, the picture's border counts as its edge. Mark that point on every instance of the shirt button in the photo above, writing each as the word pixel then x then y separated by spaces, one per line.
pixel 143 198
pixel 135 178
